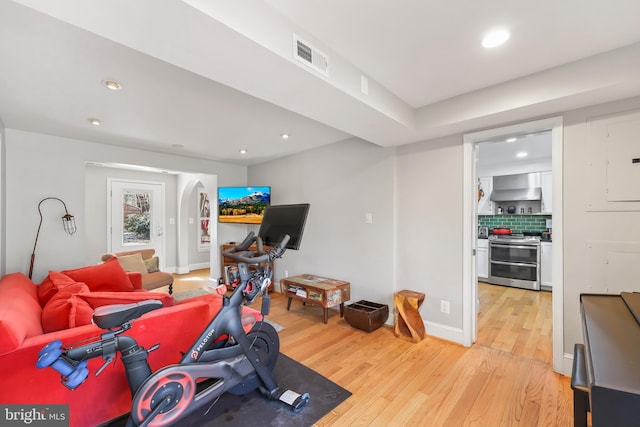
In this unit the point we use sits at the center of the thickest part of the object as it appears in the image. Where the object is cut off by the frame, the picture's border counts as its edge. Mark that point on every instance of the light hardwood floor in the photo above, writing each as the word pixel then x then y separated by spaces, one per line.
pixel 505 379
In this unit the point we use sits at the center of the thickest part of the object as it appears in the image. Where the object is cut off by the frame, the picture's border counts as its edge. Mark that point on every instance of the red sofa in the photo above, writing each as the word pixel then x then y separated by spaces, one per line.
pixel 107 396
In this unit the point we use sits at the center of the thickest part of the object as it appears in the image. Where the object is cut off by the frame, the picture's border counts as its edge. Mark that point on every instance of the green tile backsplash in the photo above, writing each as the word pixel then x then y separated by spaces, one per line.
pixel 517 223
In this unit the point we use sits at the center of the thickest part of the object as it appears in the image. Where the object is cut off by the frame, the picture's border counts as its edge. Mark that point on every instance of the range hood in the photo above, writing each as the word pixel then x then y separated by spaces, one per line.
pixel 519 187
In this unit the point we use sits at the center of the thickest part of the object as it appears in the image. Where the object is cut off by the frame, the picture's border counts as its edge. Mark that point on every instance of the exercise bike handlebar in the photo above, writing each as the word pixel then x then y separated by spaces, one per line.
pixel 240 253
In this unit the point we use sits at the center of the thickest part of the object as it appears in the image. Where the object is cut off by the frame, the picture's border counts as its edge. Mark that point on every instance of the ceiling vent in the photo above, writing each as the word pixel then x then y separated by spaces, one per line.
pixel 310 56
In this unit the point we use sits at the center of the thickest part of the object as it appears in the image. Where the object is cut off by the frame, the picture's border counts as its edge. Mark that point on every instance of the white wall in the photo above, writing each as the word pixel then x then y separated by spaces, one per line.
pixel 429 232
pixel 415 242
pixel 602 239
pixel 39 166
pixel 342 182
pixel 424 183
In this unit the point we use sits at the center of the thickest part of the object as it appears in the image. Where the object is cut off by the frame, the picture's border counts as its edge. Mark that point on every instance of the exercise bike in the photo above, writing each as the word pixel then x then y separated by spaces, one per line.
pixel 227 358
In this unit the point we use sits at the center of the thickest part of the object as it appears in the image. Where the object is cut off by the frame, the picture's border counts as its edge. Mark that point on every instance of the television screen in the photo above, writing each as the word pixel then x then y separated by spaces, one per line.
pixel 284 219
pixel 243 205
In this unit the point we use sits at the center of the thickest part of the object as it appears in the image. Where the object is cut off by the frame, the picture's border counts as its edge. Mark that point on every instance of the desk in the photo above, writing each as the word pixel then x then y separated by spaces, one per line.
pixel 319 290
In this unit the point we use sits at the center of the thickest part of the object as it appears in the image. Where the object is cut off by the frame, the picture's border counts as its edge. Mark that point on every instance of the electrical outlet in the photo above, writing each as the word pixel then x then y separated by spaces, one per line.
pixel 445 306
pixel 286 273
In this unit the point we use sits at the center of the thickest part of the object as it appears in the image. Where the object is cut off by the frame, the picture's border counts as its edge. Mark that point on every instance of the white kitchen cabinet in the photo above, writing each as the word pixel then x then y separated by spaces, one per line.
pixel 546 183
pixel 546 266
pixel 485 187
pixel 482 259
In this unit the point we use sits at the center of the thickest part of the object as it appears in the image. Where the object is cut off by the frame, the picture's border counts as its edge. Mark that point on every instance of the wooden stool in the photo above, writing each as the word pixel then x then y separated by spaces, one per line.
pixel 408 323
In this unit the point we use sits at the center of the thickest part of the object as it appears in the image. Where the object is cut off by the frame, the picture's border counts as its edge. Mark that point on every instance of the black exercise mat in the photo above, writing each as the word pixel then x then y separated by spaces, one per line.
pixel 252 409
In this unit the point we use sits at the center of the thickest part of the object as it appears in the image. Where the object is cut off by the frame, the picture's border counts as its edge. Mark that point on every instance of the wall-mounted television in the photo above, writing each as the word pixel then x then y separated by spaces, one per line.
pixel 243 205
pixel 284 219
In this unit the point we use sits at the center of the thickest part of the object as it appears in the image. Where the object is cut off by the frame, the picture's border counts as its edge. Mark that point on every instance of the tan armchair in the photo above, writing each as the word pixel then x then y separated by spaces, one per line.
pixel 143 261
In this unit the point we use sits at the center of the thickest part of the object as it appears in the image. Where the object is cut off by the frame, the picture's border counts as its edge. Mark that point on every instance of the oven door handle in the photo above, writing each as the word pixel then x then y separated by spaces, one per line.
pixel 498 245
pixel 517 264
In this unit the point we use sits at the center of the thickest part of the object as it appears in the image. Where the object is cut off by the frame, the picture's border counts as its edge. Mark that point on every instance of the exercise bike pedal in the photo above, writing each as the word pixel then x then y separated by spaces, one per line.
pixel 296 401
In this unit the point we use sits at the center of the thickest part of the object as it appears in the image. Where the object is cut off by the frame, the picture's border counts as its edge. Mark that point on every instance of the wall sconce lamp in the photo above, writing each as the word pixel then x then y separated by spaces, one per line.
pixel 68 223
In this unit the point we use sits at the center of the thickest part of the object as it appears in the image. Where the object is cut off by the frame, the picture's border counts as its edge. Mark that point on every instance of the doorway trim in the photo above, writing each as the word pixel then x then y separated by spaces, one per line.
pixel 561 363
pixel 160 251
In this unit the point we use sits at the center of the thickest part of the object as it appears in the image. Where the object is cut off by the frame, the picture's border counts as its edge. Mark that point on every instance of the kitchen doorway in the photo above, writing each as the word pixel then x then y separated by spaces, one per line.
pixel 470 285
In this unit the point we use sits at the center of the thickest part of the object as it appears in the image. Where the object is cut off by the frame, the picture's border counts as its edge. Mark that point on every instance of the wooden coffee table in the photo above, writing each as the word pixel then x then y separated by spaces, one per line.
pixel 317 290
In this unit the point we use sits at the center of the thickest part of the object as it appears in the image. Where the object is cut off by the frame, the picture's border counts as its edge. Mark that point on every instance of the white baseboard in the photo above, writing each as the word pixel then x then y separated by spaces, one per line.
pixel 186 270
pixel 198 266
pixel 444 332
pixel 438 330
pixel 567 365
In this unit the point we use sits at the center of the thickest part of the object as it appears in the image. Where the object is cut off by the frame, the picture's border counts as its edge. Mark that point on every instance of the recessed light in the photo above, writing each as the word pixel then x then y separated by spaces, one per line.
pixel 284 135
pixel 112 84
pixel 522 154
pixel 495 38
pixel 512 139
pixel 177 145
pixel 243 151
pixel 95 122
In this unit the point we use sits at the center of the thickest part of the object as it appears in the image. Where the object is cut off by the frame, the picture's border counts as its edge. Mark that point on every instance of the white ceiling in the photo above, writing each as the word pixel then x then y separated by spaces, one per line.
pixel 216 76
pixel 504 152
pixel 428 51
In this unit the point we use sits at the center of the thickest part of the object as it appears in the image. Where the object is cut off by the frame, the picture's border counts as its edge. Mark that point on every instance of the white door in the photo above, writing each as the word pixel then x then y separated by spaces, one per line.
pixel 136 216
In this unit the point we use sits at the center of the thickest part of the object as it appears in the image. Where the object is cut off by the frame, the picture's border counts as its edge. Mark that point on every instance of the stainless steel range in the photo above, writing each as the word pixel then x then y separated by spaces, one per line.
pixel 514 260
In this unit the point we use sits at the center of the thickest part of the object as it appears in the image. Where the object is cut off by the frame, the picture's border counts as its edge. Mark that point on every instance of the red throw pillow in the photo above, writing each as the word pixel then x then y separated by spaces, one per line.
pixel 66 310
pixel 61 280
pixel 98 299
pixel 51 285
pixel 106 277
pixel 46 291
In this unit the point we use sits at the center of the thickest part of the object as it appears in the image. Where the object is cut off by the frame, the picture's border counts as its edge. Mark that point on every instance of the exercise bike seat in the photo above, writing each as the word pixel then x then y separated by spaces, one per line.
pixel 112 316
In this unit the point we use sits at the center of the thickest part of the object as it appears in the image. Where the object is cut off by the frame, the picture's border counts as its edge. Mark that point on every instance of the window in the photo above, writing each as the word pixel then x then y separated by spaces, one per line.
pixel 136 208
